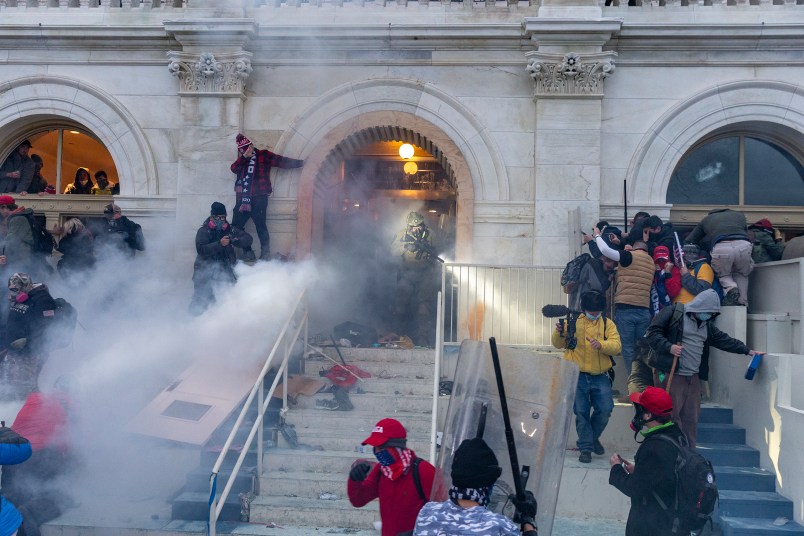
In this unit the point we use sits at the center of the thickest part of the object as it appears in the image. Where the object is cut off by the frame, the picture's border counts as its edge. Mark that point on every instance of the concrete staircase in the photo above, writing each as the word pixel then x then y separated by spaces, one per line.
pixel 749 504
pixel 307 486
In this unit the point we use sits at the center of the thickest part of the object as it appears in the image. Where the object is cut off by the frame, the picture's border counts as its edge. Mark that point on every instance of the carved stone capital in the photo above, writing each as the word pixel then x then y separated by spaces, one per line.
pixel 210 74
pixel 570 74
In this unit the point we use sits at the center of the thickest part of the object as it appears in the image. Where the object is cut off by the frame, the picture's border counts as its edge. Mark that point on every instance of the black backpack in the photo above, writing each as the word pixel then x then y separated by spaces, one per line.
pixel 63 328
pixel 572 272
pixel 42 239
pixel 696 489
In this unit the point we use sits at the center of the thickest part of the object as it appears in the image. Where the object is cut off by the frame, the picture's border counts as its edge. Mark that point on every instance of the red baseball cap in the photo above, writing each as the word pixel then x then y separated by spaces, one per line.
pixel 655 400
pixel 6 200
pixel 384 430
pixel 661 252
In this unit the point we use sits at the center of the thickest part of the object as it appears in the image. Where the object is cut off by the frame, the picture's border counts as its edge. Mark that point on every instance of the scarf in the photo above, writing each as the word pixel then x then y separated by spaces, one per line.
pixel 243 186
pixel 403 458
pixel 482 496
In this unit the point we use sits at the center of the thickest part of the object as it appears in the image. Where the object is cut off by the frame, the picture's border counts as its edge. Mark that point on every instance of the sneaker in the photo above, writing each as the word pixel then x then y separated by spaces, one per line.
pixel 331 405
pixel 249 256
pixel 597 448
pixel 732 297
pixel 585 457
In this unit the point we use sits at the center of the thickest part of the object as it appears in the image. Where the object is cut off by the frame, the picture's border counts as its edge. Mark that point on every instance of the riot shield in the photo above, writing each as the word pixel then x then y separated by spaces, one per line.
pixel 540 389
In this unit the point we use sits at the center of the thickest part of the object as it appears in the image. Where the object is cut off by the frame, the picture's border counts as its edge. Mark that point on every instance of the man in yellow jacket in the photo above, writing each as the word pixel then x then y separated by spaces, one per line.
pixel 597 341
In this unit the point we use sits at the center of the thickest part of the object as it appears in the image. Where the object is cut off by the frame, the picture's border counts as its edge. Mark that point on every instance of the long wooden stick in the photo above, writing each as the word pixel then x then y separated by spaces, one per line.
pixel 319 352
pixel 672 373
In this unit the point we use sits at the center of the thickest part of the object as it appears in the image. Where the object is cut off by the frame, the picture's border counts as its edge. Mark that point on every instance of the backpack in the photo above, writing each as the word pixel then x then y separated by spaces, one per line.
pixel 42 239
pixel 63 328
pixel 696 489
pixel 572 272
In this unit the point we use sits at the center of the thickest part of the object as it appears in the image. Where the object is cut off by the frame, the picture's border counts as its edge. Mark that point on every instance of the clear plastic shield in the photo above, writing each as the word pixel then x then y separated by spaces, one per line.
pixel 540 389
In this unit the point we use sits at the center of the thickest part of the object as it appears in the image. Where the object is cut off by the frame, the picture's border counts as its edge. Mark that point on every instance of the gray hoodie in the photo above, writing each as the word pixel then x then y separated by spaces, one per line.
pixel 706 302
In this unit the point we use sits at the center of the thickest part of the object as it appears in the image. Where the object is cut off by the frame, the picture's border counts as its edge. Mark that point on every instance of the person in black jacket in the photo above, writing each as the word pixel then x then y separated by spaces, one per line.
pixel 215 242
pixel 32 313
pixel 121 234
pixel 652 473
pixel 685 332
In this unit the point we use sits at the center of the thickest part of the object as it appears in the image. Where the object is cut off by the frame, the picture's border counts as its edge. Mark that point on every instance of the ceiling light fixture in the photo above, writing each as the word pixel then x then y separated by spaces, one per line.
pixel 406 150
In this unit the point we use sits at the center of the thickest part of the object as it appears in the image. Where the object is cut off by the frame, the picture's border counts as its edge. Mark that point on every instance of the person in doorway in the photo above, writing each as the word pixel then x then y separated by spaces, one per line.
pixel 103 186
pixel 400 480
pixel 253 187
pixel 121 234
pixel 596 342
pixel 18 170
pixel 474 471
pixel 39 184
pixel 651 477
pixel 684 332
pixel 724 230
pixel 416 281
pixel 82 184
pixel 215 242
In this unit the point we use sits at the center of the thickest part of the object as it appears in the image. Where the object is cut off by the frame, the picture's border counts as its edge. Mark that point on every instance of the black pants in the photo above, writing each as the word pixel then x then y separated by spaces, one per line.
pixel 258 213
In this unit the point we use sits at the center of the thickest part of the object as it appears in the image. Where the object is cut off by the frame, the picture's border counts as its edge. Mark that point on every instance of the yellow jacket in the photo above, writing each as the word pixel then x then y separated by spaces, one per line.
pixel 588 359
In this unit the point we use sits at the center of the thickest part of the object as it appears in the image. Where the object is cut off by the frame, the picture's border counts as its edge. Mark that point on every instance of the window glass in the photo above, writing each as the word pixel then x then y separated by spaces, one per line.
pixel 772 175
pixel 709 175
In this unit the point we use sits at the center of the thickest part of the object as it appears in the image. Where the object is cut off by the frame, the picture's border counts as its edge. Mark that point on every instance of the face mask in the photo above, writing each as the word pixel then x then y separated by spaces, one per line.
pixel 17 296
pixel 638 421
pixel 703 317
pixel 592 317
pixel 384 457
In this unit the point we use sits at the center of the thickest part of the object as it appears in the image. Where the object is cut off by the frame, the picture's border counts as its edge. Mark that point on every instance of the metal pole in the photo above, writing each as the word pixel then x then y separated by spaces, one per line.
pixel 439 348
pixel 261 420
pixel 625 206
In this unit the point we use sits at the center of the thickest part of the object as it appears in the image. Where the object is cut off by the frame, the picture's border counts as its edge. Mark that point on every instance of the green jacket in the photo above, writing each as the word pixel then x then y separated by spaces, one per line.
pixel 719 223
pixel 765 249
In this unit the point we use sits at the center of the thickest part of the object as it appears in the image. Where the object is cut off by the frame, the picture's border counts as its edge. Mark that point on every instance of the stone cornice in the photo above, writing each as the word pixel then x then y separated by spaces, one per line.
pixel 563 35
pixel 218 34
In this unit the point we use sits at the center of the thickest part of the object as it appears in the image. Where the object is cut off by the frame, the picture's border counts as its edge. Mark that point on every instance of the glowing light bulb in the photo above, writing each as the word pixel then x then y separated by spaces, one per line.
pixel 406 150
pixel 411 168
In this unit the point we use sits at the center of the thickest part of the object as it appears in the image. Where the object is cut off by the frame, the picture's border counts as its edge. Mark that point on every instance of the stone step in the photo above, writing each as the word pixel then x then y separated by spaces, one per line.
pixel 721 433
pixel 389 355
pixel 361 423
pixel 303 484
pixel 378 369
pixel 398 386
pixel 313 512
pixel 754 504
pixel 198 480
pixel 384 403
pixel 746 526
pixel 716 414
pixel 290 460
pixel 345 440
pixel 194 505
pixel 745 479
pixel 731 455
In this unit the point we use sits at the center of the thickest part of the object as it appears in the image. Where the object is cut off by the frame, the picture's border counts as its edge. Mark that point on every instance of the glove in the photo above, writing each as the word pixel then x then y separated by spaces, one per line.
pixel 525 509
pixel 360 470
pixel 19 344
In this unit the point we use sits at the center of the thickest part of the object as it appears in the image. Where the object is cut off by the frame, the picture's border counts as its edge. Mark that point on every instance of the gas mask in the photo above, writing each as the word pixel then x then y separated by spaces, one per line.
pixel 219 225
pixel 638 422
pixel 17 295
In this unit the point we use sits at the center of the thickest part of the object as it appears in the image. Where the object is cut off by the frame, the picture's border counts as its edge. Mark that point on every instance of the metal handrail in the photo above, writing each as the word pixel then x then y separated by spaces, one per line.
pixel 439 350
pixel 216 503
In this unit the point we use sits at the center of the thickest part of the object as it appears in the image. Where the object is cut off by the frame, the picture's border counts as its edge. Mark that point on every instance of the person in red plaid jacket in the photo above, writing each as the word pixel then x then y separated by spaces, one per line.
pixel 253 187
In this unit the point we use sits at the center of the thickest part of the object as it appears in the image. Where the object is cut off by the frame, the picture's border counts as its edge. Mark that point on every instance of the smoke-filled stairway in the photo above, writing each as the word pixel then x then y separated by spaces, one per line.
pixel 749 504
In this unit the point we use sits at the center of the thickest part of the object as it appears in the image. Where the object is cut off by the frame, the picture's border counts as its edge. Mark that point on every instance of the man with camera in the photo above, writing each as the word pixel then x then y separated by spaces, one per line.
pixel 592 346
pixel 215 242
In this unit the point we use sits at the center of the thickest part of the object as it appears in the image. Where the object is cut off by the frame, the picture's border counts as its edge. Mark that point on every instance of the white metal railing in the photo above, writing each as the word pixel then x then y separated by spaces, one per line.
pixel 439 351
pixel 505 302
pixel 296 322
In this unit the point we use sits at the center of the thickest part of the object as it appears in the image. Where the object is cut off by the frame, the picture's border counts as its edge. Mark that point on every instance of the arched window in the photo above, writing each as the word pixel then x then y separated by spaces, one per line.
pixel 738 169
pixel 65 149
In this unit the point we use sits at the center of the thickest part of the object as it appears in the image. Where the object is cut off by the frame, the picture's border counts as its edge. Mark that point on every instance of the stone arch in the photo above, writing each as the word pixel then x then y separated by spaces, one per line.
pixel 415 105
pixel 30 101
pixel 681 127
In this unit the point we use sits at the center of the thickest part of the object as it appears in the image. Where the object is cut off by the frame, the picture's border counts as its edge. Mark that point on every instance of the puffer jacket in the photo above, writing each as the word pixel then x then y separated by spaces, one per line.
pixel 634 281
pixel 667 329
pixel 588 359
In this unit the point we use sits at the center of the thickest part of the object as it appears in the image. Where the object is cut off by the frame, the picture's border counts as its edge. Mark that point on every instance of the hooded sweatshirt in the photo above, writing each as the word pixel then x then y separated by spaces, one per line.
pixel 696 332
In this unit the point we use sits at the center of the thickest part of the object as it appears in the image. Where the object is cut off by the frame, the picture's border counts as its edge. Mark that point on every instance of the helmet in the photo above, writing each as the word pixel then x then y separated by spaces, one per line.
pixel 691 252
pixel 415 219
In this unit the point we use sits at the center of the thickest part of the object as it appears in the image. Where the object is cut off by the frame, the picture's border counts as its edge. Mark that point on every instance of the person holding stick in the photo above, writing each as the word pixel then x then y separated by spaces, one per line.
pixel 681 336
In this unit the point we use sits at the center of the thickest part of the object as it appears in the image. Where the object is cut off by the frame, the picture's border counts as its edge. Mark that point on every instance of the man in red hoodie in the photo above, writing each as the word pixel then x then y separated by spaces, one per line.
pixel 400 480
pixel 252 189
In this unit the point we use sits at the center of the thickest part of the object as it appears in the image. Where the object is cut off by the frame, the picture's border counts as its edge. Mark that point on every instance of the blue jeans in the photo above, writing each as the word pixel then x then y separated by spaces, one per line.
pixel 631 325
pixel 593 395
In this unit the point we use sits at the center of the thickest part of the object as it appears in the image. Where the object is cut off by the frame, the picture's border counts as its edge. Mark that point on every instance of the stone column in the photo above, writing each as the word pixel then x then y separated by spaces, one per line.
pixel 568 68
pixel 212 68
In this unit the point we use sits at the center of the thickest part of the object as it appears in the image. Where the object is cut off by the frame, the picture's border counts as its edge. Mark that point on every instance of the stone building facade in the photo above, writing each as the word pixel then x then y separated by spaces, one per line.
pixel 537 108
